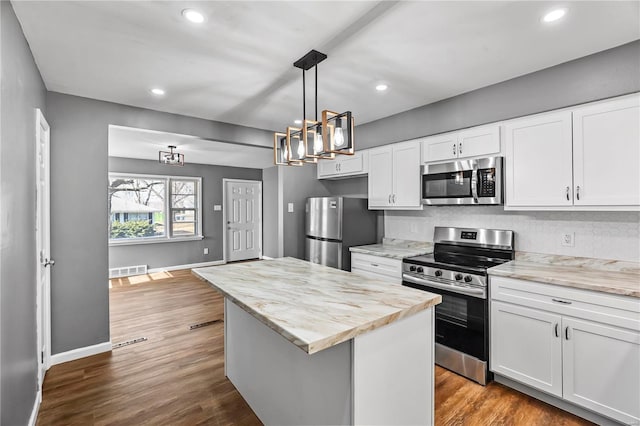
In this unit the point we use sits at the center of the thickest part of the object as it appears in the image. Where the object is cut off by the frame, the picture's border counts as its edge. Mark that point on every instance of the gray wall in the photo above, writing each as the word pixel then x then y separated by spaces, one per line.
pixel 79 135
pixel 22 92
pixel 187 252
pixel 270 205
pixel 602 75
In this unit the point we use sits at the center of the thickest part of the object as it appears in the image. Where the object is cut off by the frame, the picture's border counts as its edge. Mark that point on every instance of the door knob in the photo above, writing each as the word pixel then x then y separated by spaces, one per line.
pixel 48 262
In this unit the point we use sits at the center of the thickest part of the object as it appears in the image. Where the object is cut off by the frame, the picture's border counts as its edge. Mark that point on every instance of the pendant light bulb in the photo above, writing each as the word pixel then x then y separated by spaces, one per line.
pixel 285 154
pixel 301 150
pixel 338 137
pixel 317 143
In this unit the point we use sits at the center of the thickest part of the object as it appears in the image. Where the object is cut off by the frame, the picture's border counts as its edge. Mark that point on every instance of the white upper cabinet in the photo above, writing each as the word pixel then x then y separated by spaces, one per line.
pixel 472 142
pixel 538 160
pixel 394 176
pixel 606 153
pixel 344 166
pixel 585 158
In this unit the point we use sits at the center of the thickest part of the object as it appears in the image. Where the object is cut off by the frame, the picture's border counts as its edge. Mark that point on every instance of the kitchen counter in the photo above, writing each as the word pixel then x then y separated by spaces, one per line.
pixel 314 306
pixel 367 347
pixel 607 276
pixel 395 249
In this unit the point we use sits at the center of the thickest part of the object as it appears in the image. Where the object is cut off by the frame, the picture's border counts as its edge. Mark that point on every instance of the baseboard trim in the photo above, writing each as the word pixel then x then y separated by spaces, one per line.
pixel 266 258
pixel 556 402
pixel 74 354
pixel 36 409
pixel 187 266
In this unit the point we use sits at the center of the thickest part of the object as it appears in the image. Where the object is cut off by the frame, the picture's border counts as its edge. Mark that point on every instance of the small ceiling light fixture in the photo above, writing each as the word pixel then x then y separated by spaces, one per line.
pixel 171 158
pixel 554 15
pixel 157 91
pixel 381 87
pixel 193 15
pixel 314 140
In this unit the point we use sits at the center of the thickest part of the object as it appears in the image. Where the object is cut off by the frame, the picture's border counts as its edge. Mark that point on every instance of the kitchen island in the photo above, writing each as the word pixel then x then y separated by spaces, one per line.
pixel 309 344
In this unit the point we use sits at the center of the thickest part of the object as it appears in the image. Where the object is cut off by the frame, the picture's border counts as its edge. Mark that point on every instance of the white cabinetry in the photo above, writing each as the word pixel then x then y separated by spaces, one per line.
pixel 344 166
pixel 378 267
pixel 585 158
pixel 472 142
pixel 394 176
pixel 581 346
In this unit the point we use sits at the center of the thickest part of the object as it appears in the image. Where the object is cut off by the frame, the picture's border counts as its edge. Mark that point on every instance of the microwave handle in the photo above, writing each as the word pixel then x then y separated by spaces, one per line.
pixel 474 182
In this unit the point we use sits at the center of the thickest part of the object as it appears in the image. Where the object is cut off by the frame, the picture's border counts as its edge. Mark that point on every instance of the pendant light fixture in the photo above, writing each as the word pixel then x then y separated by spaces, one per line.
pixel 315 140
pixel 171 158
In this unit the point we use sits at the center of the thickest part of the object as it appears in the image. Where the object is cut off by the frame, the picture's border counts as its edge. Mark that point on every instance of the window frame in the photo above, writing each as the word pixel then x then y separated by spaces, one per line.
pixel 168 209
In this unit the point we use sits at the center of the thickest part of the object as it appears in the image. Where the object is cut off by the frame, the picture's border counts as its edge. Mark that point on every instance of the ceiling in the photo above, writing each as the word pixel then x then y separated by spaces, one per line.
pixel 144 144
pixel 237 66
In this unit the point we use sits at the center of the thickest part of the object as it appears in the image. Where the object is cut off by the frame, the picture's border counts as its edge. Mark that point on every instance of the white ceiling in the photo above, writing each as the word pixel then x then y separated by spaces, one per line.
pixel 144 144
pixel 237 66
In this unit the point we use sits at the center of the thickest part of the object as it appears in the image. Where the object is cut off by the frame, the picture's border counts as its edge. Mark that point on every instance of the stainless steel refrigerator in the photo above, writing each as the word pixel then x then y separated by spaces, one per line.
pixel 333 224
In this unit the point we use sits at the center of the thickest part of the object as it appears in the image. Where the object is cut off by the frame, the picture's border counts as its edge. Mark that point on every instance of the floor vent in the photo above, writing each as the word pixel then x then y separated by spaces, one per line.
pixel 127 271
pixel 129 342
pixel 204 324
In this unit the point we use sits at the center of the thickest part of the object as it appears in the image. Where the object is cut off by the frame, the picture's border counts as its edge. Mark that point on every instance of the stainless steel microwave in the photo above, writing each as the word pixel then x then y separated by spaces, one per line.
pixel 477 181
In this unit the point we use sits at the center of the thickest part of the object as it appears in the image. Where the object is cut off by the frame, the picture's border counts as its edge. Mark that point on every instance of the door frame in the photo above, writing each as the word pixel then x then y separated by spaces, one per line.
pixel 224 214
pixel 43 301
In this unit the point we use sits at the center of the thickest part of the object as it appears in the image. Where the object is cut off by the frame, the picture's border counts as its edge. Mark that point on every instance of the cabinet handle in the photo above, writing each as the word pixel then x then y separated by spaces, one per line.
pixel 556 330
pixel 454 149
pixel 389 198
pixel 567 193
pixel 565 302
pixel 393 197
pixel 578 192
pixel 566 332
pixel 460 148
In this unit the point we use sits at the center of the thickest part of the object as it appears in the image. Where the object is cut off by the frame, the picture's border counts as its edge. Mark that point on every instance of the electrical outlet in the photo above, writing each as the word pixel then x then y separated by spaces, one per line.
pixel 217 207
pixel 290 207
pixel 206 250
pixel 568 239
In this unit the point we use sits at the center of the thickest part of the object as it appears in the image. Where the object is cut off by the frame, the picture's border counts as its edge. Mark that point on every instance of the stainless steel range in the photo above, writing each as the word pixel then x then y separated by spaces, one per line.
pixel 457 270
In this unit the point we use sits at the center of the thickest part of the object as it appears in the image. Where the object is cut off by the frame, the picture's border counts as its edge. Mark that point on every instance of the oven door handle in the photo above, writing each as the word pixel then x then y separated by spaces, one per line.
pixel 469 291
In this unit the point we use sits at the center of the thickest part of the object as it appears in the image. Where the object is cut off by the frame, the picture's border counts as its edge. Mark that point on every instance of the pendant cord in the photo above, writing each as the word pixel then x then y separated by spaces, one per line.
pixel 304 99
pixel 316 67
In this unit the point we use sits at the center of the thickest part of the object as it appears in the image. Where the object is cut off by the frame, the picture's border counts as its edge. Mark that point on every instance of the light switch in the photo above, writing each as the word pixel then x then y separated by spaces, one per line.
pixel 290 207
pixel 217 207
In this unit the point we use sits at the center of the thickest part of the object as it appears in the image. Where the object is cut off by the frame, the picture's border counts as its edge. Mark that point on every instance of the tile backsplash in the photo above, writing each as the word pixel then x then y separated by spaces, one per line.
pixel 606 235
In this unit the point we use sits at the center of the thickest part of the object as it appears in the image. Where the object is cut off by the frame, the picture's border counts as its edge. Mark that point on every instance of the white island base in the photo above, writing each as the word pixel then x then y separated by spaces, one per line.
pixel 384 376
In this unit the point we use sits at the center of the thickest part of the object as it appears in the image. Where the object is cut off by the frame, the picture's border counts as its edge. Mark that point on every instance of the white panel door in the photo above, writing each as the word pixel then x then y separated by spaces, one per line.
pixel 440 147
pixel 483 140
pixel 406 175
pixel 350 164
pixel 526 346
pixel 380 177
pixel 606 153
pixel 602 368
pixel 538 156
pixel 43 246
pixel 328 168
pixel 243 208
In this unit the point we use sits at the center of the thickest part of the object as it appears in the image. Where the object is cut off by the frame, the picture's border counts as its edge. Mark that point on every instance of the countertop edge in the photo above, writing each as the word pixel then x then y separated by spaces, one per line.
pixel 327 342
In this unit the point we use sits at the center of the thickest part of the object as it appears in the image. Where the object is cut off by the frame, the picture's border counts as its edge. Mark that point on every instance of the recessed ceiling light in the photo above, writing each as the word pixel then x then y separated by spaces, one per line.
pixel 297 121
pixel 157 91
pixel 554 15
pixel 193 15
pixel 381 87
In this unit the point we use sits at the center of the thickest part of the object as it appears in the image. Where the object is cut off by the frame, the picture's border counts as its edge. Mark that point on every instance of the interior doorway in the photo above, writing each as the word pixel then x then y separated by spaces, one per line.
pixel 43 246
pixel 242 219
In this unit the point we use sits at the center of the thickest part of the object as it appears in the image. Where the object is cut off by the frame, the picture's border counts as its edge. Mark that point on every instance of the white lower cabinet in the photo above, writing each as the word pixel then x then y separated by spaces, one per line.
pixel 378 267
pixel 578 345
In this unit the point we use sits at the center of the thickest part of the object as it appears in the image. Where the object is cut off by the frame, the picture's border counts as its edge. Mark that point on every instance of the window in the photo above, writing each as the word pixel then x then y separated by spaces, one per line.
pixel 153 208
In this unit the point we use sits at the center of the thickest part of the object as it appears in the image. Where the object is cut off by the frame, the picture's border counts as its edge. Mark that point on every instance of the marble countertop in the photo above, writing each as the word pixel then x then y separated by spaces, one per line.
pixel 395 249
pixel 313 306
pixel 607 276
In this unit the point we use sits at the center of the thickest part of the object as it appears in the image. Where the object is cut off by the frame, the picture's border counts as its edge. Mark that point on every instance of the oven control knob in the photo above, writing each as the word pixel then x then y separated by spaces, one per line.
pixel 467 279
pixel 420 269
pixel 458 277
pixel 438 273
pixel 412 268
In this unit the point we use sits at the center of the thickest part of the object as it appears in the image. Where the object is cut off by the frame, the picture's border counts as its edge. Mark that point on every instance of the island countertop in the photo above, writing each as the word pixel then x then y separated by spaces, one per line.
pixel 313 306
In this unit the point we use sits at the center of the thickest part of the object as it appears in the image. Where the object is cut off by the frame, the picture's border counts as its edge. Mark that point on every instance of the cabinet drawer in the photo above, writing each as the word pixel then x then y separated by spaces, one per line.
pixel 377 265
pixel 605 308
pixel 374 274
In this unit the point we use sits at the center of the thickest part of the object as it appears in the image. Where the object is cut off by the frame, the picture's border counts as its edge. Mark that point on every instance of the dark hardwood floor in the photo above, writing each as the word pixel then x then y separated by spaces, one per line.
pixel 176 377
